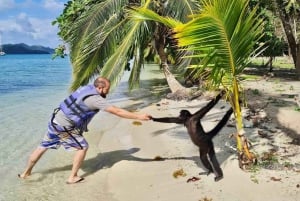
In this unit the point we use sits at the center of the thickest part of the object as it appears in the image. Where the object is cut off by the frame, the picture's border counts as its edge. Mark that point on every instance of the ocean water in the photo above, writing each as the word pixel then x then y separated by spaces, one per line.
pixel 31 86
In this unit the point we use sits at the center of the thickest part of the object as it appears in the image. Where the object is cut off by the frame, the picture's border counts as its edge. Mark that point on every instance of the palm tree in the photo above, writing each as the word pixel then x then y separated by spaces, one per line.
pixel 102 39
pixel 225 34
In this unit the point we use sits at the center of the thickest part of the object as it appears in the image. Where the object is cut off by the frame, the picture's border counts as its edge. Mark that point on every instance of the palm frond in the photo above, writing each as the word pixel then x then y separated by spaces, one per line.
pixel 90 43
pixel 228 30
pixel 114 66
pixel 144 14
pixel 182 10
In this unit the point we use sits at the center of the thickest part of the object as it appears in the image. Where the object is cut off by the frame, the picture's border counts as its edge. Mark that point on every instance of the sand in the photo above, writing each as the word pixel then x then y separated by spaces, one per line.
pixel 128 162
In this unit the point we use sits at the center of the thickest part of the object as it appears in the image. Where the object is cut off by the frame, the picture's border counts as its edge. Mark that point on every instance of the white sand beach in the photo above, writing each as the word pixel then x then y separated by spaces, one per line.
pixel 128 162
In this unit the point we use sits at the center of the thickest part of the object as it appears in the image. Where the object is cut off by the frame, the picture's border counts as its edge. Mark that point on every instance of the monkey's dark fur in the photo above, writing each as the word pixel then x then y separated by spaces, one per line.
pixel 199 137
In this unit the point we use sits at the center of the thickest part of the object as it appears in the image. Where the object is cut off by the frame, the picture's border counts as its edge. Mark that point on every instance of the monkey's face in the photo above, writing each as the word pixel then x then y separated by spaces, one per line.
pixel 184 114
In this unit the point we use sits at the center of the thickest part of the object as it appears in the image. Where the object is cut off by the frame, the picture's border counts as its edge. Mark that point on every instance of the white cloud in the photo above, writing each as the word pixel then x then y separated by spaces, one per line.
pixel 53 5
pixel 32 31
pixel 6 4
pixel 24 23
pixel 30 22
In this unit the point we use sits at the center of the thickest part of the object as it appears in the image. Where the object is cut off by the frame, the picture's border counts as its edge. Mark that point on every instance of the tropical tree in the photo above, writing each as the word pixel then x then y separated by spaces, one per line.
pixel 273 38
pixel 102 39
pixel 225 34
pixel 289 13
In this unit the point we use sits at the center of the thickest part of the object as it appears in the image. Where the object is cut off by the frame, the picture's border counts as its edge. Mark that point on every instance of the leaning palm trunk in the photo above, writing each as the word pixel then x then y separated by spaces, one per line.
pixel 160 43
pixel 224 34
pixel 173 84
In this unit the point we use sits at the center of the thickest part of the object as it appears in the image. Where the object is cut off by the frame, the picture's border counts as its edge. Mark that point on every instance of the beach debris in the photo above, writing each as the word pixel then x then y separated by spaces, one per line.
pixel 158 158
pixel 254 179
pixel 269 156
pixel 193 179
pixel 179 173
pixel 206 199
pixel 298 185
pixel 163 102
pixel 275 179
pixel 137 123
pixel 248 123
pixel 262 134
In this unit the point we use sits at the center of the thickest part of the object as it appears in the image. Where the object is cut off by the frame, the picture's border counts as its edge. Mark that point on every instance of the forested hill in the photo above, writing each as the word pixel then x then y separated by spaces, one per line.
pixel 26 49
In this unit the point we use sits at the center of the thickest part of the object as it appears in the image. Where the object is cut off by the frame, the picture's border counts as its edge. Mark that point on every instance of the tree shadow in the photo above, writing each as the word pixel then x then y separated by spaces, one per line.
pixel 260 70
pixel 222 155
pixel 271 104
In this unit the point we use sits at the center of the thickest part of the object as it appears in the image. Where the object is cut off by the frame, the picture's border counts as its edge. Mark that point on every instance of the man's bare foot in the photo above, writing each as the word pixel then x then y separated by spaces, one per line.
pixel 75 180
pixel 23 176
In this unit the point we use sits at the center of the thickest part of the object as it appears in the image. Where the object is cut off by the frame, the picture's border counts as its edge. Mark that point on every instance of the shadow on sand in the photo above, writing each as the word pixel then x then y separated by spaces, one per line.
pixel 109 159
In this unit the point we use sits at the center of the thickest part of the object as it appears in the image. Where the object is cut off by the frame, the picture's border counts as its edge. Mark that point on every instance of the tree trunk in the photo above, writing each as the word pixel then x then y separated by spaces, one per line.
pixel 271 64
pixel 246 157
pixel 160 43
pixel 286 22
pixel 160 39
pixel 298 62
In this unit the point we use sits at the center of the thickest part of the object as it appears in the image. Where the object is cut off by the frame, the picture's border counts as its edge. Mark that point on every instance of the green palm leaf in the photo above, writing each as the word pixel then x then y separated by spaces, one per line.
pixel 97 27
pixel 97 32
pixel 119 58
pixel 226 28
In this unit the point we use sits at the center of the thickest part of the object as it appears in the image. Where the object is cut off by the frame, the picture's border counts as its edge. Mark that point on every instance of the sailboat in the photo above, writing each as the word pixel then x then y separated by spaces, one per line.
pixel 2 53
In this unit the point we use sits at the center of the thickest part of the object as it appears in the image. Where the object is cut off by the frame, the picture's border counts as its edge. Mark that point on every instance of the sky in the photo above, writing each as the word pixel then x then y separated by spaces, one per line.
pixel 29 22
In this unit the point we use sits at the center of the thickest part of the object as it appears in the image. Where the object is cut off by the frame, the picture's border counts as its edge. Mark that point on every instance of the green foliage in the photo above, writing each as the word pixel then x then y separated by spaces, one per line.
pixel 59 52
pixel 102 39
pixel 274 43
pixel 72 11
pixel 225 34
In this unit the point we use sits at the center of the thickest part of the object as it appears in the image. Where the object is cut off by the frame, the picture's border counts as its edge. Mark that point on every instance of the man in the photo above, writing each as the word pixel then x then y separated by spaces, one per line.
pixel 70 120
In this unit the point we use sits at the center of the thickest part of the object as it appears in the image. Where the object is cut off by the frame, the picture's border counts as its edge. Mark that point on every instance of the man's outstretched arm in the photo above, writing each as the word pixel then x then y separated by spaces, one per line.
pixel 126 114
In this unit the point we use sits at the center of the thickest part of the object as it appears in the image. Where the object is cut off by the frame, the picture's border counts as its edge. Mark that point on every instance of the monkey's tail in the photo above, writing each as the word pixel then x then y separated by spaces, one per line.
pixel 221 124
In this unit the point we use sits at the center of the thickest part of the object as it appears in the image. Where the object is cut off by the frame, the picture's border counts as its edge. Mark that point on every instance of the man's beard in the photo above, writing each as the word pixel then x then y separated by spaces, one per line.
pixel 103 95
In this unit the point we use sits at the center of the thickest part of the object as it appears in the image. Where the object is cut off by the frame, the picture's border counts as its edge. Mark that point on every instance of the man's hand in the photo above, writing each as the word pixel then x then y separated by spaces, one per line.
pixel 144 117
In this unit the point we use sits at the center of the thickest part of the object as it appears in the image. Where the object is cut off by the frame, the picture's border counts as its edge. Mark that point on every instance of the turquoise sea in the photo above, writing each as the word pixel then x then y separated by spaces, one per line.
pixel 31 86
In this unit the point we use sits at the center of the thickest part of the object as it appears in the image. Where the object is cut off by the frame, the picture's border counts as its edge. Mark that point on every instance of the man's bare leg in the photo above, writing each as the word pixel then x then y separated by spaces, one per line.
pixel 77 161
pixel 33 159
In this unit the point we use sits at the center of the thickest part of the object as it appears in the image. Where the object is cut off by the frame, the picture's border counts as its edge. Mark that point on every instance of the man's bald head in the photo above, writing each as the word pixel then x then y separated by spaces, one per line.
pixel 101 82
pixel 102 85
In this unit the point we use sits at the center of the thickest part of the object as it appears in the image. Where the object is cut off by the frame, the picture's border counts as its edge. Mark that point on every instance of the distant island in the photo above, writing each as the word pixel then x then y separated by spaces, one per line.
pixel 26 49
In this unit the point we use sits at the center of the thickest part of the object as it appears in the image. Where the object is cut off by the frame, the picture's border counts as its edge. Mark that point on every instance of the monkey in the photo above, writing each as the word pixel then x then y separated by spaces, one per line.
pixel 199 137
